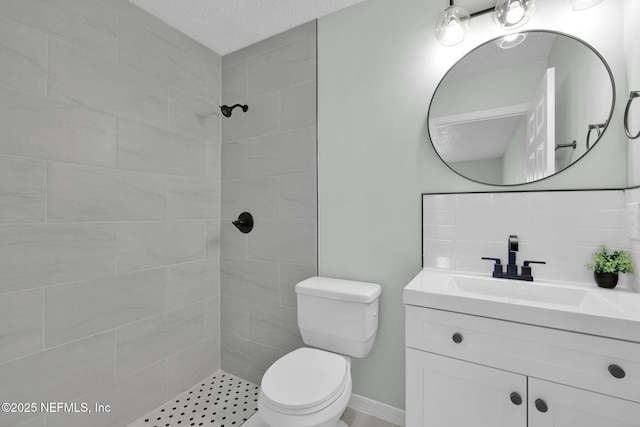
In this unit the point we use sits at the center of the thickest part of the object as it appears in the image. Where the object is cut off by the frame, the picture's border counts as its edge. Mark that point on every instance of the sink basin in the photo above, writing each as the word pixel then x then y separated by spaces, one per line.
pixel 517 291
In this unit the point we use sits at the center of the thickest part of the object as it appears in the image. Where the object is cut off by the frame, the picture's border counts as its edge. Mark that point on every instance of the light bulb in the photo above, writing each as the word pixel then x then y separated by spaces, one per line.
pixel 510 40
pixel 452 26
pixel 513 13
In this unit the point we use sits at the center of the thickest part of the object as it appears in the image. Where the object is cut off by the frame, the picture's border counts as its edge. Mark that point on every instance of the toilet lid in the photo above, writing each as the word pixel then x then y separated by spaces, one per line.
pixel 305 378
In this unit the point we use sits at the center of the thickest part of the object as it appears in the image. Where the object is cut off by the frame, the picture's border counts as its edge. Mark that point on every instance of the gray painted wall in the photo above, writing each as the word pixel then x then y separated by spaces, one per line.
pixel 268 169
pixel 378 65
pixel 109 209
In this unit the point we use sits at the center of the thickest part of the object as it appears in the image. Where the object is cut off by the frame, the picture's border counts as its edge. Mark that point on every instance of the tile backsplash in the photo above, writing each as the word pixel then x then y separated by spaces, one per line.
pixel 562 228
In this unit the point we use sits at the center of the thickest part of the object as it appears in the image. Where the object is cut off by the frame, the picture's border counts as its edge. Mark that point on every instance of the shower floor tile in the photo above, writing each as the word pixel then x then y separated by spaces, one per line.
pixel 222 400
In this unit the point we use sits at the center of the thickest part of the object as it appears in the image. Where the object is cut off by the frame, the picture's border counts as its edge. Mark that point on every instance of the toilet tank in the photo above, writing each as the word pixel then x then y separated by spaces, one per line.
pixel 338 315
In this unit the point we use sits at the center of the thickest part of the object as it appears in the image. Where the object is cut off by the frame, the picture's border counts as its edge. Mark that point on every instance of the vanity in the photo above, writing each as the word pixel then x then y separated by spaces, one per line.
pixel 487 352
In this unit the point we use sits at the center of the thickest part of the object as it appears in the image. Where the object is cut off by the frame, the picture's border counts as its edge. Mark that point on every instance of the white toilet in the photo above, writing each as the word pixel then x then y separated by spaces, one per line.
pixel 311 387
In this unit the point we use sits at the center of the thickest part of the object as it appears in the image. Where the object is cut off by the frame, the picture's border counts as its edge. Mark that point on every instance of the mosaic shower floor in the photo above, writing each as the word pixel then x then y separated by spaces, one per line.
pixel 222 400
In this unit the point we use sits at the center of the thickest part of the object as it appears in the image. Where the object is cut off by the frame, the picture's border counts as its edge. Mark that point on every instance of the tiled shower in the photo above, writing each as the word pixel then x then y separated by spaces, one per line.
pixel 124 282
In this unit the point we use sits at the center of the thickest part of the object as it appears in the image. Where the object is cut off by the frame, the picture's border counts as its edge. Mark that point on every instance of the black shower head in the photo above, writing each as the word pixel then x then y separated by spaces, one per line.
pixel 226 110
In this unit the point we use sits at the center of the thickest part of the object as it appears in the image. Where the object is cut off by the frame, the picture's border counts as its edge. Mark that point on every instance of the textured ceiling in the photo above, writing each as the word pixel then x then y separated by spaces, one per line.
pixel 228 25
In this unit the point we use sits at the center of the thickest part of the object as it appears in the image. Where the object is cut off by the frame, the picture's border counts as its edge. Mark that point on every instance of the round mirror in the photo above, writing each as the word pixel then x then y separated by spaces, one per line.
pixel 521 108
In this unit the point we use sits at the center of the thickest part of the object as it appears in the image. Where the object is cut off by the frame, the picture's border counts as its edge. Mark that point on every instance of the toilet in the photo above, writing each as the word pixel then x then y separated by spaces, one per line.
pixel 311 387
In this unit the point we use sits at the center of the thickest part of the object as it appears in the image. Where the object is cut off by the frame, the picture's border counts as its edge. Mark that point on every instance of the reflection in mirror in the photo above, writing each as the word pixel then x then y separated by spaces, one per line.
pixel 512 113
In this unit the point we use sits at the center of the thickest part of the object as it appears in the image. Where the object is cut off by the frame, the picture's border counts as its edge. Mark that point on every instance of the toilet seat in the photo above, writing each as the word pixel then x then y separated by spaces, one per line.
pixel 304 381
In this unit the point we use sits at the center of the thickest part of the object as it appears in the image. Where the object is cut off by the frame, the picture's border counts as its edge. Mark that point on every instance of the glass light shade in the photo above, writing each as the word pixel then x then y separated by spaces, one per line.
pixel 511 40
pixel 583 4
pixel 452 26
pixel 513 13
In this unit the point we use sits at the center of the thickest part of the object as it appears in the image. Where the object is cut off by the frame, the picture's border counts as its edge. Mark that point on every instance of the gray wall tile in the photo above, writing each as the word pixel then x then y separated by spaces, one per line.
pixel 87 80
pixel 252 280
pixel 213 79
pixel 236 83
pixel 213 162
pixel 193 116
pixel 235 161
pixel 142 245
pixel 298 199
pixel 154 56
pixel 275 326
pixel 291 241
pixel 23 55
pixel 298 106
pixel 142 343
pixel 36 255
pixel 212 318
pixel 260 197
pixel 20 324
pixel 85 193
pixel 233 243
pixel 285 66
pixel 101 304
pixel 262 118
pixel 192 282
pixel 290 275
pixel 246 359
pixel 234 317
pixel 192 365
pixel 149 149
pixel 35 127
pixel 36 422
pixel 283 154
pixel 22 190
pixel 85 24
pixel 129 398
pixel 193 198
pixel 58 375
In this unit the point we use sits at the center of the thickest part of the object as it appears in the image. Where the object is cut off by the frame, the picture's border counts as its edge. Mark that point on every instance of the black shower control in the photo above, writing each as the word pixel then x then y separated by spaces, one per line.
pixel 244 222
pixel 457 338
pixel 617 371
pixel 516 399
pixel 541 405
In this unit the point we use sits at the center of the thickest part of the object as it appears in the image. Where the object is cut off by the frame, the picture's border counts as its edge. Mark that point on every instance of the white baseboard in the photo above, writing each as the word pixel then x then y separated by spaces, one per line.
pixel 377 409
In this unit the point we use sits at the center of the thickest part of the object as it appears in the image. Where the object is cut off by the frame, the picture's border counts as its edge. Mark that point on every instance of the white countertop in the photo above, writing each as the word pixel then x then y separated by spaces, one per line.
pixel 584 308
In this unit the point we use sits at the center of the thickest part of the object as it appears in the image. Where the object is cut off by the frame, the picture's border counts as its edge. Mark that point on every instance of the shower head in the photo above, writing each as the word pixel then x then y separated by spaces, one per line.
pixel 226 110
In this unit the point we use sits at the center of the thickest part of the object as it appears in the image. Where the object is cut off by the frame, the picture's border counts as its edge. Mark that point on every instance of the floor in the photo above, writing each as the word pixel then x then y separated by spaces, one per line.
pixel 224 400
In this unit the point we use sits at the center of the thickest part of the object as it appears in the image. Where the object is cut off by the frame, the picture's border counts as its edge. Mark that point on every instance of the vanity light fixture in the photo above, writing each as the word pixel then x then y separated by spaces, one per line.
pixel 453 24
pixel 510 40
pixel 583 4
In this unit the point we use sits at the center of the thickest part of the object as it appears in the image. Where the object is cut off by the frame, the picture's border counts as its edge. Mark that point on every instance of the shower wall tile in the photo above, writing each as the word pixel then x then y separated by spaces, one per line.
pixel 142 245
pixel 298 198
pixel 82 78
pixel 213 161
pixel 36 422
pixel 37 255
pixel 22 190
pixel 234 316
pixel 236 161
pixel 260 197
pixel 58 375
pixel 81 23
pixel 20 324
pixel 213 79
pixel 247 359
pixel 283 154
pixel 192 365
pixel 129 398
pixel 298 106
pixel 274 326
pixel 252 280
pixel 212 318
pixel 235 89
pixel 290 276
pixel 101 304
pixel 193 198
pixel 212 236
pixel 83 193
pixel 192 116
pixel 149 149
pixel 289 65
pixel 152 55
pixel 147 341
pixel 290 241
pixel 233 243
pixel 262 118
pixel 192 282
pixel 23 55
pixel 38 128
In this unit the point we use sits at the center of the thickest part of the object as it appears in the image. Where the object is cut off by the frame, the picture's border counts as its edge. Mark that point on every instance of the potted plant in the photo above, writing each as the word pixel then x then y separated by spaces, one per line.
pixel 606 266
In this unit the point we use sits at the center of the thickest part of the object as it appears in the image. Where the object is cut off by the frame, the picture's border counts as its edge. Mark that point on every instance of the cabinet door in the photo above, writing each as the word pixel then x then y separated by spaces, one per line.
pixel 442 391
pixel 571 407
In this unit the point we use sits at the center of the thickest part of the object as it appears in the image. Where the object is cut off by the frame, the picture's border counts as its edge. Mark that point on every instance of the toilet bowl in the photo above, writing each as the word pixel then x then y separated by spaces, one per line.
pixel 311 387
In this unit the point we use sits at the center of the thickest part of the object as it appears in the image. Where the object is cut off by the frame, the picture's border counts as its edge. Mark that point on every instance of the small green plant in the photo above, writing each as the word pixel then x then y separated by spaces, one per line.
pixel 611 262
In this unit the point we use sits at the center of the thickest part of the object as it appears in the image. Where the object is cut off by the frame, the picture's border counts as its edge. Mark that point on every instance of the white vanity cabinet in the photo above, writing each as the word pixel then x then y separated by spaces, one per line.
pixel 474 371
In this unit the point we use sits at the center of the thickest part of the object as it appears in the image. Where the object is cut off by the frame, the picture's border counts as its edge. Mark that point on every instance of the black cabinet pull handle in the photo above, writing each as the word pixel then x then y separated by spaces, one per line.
pixel 457 338
pixel 541 405
pixel 516 399
pixel 616 371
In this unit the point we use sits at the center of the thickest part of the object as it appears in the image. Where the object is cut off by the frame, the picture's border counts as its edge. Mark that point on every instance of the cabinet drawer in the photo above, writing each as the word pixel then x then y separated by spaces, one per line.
pixel 575 359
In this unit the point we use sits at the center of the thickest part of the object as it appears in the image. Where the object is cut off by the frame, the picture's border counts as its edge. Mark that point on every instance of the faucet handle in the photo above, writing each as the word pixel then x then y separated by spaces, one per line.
pixel 497 267
pixel 526 269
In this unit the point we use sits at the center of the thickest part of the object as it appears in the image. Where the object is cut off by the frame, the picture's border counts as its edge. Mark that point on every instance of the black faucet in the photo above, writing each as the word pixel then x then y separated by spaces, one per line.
pixel 512 267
